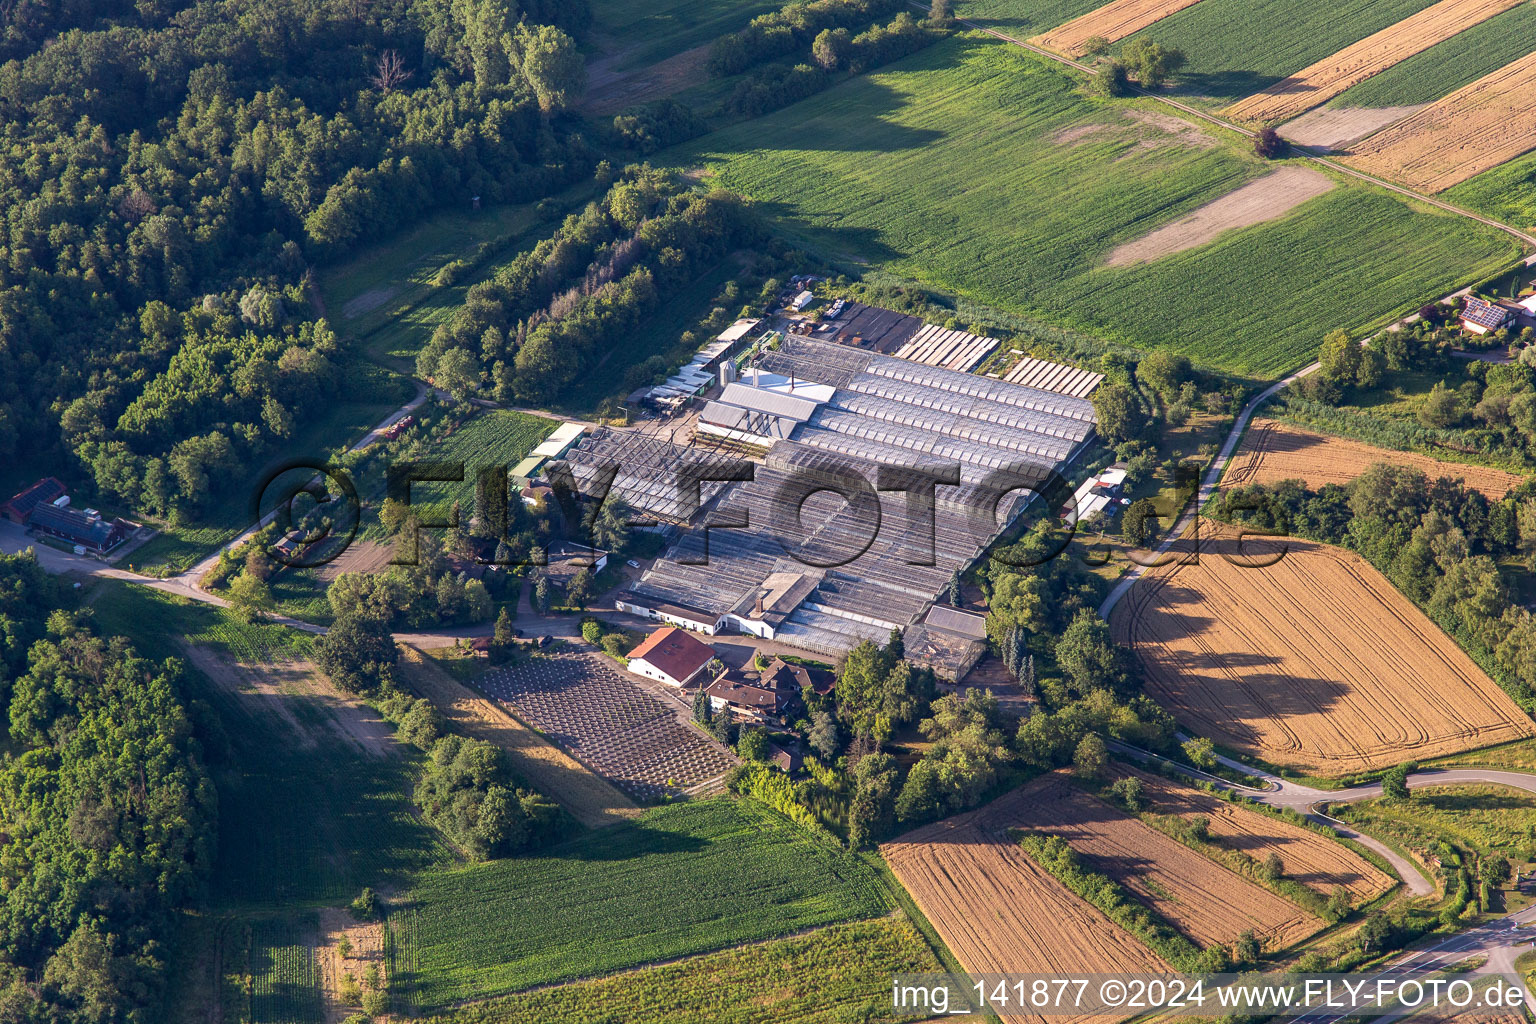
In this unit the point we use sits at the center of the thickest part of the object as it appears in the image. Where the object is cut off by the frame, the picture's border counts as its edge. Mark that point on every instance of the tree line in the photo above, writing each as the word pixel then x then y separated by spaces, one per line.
pixel 107 813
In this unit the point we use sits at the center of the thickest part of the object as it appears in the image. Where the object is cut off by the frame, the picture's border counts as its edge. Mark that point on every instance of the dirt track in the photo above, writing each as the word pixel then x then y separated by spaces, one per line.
pixel 1275 451
pixel 1473 129
pixel 1372 55
pixel 1314 860
pixel 1207 902
pixel 1315 662
pixel 1258 201
pixel 1115 20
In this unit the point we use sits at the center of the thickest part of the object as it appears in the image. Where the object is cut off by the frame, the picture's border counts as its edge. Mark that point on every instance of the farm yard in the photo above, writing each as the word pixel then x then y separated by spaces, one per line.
pixel 1472 130
pixel 589 799
pixel 1355 63
pixel 608 722
pixel 1207 903
pixel 1115 20
pixel 684 879
pixel 1273 451
pixel 1069 180
pixel 1305 656
pixel 1315 861
pixel 998 911
pixel 833 973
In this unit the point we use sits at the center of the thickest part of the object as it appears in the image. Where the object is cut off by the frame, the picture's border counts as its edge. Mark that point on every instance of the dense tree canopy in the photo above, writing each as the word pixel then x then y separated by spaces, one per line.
pixel 169 172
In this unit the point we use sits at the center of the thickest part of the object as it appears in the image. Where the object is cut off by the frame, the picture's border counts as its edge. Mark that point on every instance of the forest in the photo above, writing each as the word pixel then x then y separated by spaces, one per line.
pixel 107 813
pixel 170 173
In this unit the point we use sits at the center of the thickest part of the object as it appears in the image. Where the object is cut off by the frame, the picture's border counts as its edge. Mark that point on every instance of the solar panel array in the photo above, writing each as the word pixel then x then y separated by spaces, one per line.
pixel 1048 376
pixel 953 350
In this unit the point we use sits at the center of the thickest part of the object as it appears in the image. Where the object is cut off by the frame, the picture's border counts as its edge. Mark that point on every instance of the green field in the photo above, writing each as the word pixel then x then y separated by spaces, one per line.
pixel 385 295
pixel 833 974
pixel 687 878
pixel 304 815
pixel 1023 18
pixel 1449 64
pixel 1237 47
pixel 646 33
pixel 1506 193
pixel 1489 819
pixel 285 978
pixel 499 437
pixel 976 169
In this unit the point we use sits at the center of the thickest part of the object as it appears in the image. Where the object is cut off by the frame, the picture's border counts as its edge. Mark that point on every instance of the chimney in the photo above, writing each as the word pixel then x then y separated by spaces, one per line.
pixel 757 608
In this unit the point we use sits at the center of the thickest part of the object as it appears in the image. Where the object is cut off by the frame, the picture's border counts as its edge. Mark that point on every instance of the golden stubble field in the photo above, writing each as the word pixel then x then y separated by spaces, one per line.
pixel 999 912
pixel 1372 55
pixel 1274 451
pixel 1314 860
pixel 1470 131
pixel 1113 21
pixel 1207 902
pixel 1314 661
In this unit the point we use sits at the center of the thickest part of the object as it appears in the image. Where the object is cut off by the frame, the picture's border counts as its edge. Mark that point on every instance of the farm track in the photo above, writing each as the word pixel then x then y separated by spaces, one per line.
pixel 1306 152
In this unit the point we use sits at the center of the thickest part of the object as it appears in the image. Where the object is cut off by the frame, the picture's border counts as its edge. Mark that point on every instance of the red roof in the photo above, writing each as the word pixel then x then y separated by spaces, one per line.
pixel 41 493
pixel 674 652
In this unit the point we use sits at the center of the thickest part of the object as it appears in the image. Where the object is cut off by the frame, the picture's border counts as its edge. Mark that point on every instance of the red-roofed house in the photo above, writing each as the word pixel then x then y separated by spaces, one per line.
pixel 671 656
pixel 44 492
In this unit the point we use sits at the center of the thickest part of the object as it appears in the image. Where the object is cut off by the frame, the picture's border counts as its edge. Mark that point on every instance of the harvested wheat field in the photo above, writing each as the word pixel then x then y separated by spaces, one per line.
pixel 1209 903
pixel 1337 127
pixel 589 798
pixel 1304 655
pixel 1314 860
pixel 1263 199
pixel 1471 130
pixel 1113 21
pixel 999 912
pixel 1370 56
pixel 1275 451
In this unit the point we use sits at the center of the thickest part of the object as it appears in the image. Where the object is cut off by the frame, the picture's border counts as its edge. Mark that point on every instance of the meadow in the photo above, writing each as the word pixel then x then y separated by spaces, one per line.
pixel 683 879
pixel 1066 180
pixel 1023 18
pixel 836 973
pixel 1450 63
pixel 1493 820
pixel 389 296
pixel 298 823
pixel 1237 47
pixel 646 33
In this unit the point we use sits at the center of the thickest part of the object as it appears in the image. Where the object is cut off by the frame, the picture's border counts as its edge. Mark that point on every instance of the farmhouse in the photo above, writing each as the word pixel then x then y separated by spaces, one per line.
pixel 792 553
pixel 84 528
pixel 1481 316
pixel 44 492
pixel 746 700
pixel 670 656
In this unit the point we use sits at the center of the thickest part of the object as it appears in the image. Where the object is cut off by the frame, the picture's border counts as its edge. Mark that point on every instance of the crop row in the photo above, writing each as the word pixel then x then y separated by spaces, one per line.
pixel 683 879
